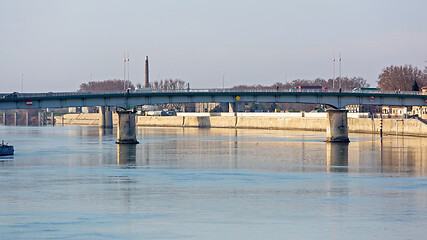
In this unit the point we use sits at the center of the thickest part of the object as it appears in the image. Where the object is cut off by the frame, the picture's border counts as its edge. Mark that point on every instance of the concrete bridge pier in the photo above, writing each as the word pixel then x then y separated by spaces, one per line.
pixel 231 107
pixel 234 107
pixel 27 119
pixel 4 119
pixel 15 121
pixel 105 117
pixel 126 128
pixel 337 128
pixel 52 117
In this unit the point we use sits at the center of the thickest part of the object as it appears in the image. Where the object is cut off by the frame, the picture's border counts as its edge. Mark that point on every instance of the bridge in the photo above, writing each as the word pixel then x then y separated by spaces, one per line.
pixel 128 100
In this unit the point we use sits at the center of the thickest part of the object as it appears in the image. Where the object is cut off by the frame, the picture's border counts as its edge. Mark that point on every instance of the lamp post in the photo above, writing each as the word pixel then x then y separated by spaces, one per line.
pixel 124 70
pixel 333 71
pixel 340 71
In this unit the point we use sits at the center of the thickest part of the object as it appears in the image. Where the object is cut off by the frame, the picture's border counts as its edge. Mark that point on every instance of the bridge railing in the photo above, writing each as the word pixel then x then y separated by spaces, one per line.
pixel 211 90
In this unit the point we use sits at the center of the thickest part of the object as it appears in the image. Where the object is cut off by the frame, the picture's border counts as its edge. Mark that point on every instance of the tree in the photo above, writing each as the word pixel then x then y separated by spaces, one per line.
pixel 168 84
pixel 107 85
pixel 415 87
pixel 400 78
pixel 354 82
pixel 346 83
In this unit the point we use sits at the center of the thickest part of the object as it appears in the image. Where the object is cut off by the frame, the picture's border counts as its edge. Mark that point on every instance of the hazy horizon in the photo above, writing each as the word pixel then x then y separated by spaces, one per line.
pixel 57 45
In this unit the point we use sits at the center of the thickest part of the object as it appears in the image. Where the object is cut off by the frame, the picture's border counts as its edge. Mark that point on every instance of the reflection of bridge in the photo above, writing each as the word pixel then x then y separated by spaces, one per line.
pixel 337 128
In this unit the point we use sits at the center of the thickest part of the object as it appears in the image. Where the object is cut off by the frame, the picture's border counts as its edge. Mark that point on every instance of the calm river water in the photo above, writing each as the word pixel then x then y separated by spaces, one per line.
pixel 185 183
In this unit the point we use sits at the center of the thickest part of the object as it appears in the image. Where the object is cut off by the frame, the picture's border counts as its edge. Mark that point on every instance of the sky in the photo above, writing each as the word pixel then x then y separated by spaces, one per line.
pixel 55 45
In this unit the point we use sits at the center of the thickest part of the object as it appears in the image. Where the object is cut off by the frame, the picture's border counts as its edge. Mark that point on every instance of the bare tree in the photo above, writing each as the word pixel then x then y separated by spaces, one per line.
pixel 107 85
pixel 347 83
pixel 168 84
pixel 401 78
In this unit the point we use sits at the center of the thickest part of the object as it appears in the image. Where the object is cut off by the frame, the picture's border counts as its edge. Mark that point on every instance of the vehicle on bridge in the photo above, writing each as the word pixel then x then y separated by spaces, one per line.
pixel 365 89
pixel 311 89
pixel 11 95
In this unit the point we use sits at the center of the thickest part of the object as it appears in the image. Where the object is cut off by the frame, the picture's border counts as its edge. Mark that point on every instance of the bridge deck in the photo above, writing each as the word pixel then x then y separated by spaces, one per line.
pixel 337 99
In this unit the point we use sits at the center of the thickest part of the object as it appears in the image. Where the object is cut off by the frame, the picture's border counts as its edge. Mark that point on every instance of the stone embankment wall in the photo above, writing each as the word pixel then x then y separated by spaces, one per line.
pixel 81 119
pixel 411 127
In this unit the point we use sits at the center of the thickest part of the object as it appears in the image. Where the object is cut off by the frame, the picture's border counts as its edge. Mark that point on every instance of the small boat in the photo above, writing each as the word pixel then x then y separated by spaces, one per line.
pixel 6 149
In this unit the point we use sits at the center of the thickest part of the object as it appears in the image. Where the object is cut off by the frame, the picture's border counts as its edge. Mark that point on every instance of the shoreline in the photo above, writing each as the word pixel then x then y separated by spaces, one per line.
pixel 307 122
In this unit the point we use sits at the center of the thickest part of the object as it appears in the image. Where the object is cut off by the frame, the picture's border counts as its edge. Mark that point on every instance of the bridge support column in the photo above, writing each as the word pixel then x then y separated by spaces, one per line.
pixel 27 119
pixel 4 118
pixel 52 116
pixel 126 128
pixel 15 121
pixel 39 118
pixel 337 128
pixel 105 117
pixel 233 107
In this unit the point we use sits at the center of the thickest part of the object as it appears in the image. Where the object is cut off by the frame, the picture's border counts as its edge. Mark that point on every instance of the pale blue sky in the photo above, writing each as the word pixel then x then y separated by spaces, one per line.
pixel 57 45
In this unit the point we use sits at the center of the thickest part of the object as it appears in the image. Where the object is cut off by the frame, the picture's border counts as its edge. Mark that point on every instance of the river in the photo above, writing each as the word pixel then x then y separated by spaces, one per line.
pixel 188 183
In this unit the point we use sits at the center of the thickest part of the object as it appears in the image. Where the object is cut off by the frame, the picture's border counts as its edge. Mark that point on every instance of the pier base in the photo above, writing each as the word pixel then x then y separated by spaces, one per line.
pixel 105 117
pixel 337 128
pixel 126 128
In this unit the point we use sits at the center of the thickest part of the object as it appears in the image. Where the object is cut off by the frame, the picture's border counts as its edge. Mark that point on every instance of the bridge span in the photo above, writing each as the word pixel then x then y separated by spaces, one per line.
pixel 129 100
pixel 337 129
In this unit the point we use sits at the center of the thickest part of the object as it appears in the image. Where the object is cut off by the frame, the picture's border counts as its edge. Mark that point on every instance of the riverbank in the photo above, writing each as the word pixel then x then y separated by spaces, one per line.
pixel 279 121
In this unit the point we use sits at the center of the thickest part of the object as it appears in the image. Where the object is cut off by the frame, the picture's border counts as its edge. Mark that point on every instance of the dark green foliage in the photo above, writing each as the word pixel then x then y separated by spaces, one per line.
pixel 415 87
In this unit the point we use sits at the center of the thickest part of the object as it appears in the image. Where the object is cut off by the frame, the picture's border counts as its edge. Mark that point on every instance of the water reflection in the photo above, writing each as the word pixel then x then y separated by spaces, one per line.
pixel 404 155
pixel 105 131
pixel 126 153
pixel 337 157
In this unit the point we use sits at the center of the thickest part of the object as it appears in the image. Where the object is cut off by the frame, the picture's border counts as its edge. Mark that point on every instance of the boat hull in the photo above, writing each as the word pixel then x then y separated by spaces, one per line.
pixel 6 150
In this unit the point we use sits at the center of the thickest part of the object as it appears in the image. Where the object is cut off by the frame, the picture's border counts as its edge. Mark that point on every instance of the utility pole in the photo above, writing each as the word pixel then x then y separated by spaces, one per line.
pixel 340 72
pixel 333 71
pixel 124 71
pixel 125 60
pixel 128 68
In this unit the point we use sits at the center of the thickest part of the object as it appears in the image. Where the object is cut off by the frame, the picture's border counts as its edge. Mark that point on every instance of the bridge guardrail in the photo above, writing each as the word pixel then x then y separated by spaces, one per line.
pixel 213 90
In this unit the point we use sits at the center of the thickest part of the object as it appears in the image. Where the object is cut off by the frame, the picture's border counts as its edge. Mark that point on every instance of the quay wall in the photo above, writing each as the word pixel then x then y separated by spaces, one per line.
pixel 409 127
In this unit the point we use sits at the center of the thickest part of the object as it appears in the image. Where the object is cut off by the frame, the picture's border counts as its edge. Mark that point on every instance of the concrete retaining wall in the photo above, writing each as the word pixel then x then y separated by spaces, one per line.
pixel 85 119
pixel 410 127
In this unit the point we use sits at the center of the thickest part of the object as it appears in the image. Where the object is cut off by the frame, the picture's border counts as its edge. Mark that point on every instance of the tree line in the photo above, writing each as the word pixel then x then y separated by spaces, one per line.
pixel 402 78
pixel 119 85
pixel 344 83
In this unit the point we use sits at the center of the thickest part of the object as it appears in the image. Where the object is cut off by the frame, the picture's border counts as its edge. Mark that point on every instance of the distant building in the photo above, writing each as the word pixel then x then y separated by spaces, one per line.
pixel 74 110
pixel 205 107
pixel 359 108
